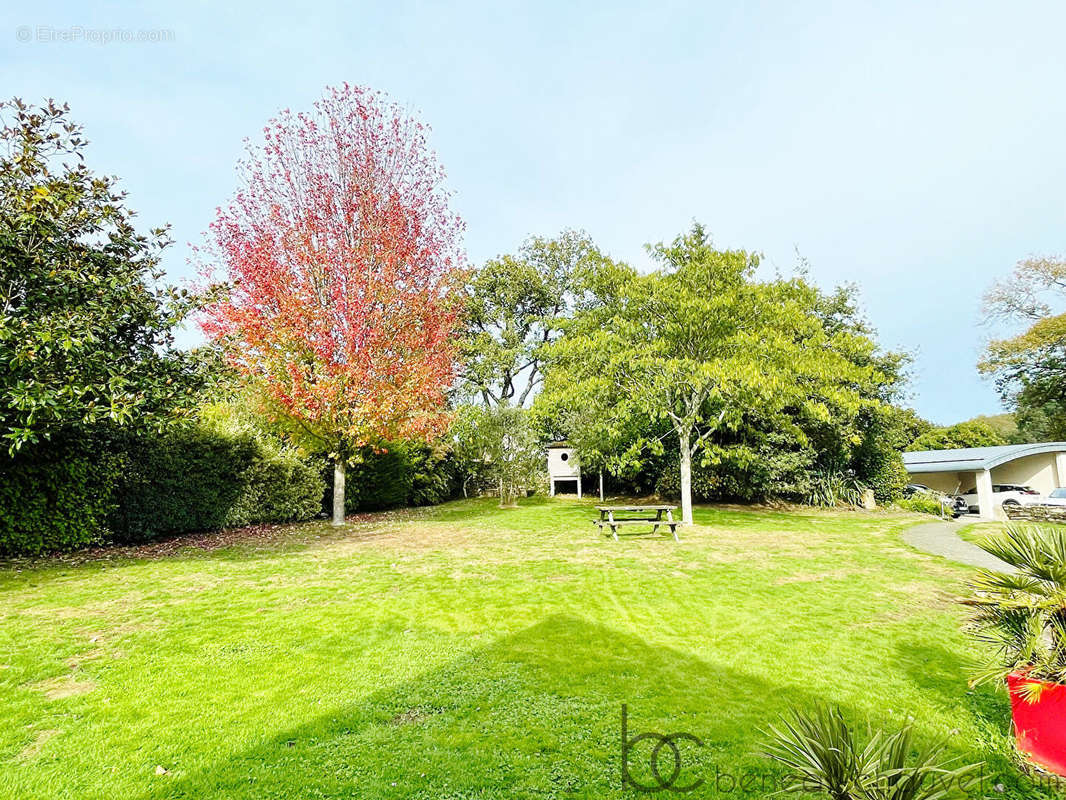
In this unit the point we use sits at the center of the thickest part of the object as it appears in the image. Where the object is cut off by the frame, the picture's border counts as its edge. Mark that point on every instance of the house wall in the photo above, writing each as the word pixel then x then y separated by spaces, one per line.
pixel 1037 471
pixel 947 482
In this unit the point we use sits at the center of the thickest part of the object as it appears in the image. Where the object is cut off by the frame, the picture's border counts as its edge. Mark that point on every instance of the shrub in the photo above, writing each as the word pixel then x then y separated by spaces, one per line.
pixel 877 460
pixel 201 478
pixel 378 480
pixel 832 487
pixel 279 486
pixel 922 503
pixel 739 472
pixel 881 468
pixel 186 479
pixel 435 476
pixel 398 475
pixel 55 496
pixel 822 754
pixel 1020 615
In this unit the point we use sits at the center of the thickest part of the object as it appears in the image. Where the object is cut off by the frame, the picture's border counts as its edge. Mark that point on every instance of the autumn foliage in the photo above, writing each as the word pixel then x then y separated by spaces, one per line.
pixel 343 258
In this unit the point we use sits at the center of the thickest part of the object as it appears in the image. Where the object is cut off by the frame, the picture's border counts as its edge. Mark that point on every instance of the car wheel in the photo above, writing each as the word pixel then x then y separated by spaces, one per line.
pixel 1010 502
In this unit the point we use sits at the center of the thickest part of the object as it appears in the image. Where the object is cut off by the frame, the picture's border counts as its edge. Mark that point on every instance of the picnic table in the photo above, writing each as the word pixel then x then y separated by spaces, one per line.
pixel 614 517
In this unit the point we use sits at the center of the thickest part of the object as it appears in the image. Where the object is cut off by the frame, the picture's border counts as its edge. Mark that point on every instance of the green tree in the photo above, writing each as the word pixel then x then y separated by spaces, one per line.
pixel 85 326
pixel 1003 424
pixel 498 446
pixel 515 305
pixel 1030 367
pixel 1040 421
pixel 960 435
pixel 700 343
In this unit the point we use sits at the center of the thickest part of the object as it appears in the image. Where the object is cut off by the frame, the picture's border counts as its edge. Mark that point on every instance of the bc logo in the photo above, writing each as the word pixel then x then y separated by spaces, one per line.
pixel 661 740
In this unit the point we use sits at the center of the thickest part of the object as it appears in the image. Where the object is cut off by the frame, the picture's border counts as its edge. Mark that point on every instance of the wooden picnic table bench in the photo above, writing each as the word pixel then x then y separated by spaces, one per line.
pixel 609 518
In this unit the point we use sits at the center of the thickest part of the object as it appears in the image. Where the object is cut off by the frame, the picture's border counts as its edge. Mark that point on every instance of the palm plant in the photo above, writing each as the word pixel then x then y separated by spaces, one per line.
pixel 1022 615
pixel 823 754
pixel 833 487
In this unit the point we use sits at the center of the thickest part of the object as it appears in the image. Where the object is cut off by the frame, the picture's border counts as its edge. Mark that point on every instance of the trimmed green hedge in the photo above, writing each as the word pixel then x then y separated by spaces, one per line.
pixel 184 480
pixel 135 487
pixel 279 487
pixel 397 476
pixel 200 479
pixel 923 504
pixel 55 496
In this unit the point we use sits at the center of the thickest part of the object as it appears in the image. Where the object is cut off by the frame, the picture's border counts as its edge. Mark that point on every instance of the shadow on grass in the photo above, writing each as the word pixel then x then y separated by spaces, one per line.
pixel 536 714
pixel 942 673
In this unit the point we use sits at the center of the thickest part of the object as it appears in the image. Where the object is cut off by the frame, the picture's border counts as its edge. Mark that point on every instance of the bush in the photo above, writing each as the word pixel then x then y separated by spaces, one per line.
pixel 831 488
pixel 199 478
pixel 396 476
pixel 133 487
pixel 435 476
pixel 739 472
pixel 278 487
pixel 883 471
pixel 55 496
pixel 1018 614
pixel 378 481
pixel 921 503
pixel 186 479
pixel 822 754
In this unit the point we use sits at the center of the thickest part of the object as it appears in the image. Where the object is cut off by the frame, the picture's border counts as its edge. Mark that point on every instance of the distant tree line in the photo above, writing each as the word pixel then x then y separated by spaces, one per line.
pixel 348 336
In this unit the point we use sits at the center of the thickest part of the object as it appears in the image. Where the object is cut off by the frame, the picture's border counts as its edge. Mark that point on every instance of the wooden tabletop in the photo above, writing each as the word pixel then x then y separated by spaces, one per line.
pixel 635 508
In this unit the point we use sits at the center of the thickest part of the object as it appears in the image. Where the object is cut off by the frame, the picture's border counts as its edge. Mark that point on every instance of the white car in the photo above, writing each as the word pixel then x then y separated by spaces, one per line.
pixel 1056 498
pixel 1004 494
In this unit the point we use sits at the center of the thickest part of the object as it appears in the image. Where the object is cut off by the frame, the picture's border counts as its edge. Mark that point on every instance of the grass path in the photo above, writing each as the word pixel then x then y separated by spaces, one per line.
pixel 468 652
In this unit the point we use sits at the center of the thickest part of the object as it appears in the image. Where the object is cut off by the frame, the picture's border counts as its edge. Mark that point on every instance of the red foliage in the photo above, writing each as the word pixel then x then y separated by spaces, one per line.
pixel 344 259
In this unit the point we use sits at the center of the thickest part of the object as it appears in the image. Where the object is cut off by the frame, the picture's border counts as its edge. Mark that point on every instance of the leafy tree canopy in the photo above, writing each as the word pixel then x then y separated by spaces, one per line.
pixel 85 325
pixel 515 305
pixel 703 346
pixel 497 447
pixel 1030 367
pixel 343 258
pixel 963 434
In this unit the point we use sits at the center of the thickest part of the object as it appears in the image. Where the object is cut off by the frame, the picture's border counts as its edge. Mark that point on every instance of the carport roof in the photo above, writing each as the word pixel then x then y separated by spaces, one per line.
pixel 971 459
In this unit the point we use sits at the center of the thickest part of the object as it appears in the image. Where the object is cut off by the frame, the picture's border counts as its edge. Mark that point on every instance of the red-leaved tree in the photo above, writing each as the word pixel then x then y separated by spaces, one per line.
pixel 343 258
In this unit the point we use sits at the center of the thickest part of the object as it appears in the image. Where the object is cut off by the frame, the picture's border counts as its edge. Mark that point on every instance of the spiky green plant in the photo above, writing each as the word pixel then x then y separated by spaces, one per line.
pixel 1022 614
pixel 822 754
pixel 819 750
pixel 833 487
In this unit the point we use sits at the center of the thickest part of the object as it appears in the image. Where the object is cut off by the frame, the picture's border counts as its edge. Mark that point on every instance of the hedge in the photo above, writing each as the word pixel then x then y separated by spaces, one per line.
pixel 199 479
pixel 396 476
pixel 134 487
pixel 55 496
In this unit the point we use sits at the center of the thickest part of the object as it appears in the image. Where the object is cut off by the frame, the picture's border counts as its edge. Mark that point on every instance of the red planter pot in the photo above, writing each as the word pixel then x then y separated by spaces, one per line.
pixel 1039 726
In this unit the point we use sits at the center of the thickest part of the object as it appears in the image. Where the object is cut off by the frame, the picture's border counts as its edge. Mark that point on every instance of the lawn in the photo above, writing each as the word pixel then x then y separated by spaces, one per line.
pixel 468 652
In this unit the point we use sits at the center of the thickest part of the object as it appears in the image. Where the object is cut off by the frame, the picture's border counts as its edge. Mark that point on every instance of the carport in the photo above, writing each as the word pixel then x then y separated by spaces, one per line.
pixel 1042 466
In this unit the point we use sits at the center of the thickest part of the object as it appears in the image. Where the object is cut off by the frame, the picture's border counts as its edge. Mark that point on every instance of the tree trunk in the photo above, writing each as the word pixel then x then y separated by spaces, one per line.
pixel 686 479
pixel 338 490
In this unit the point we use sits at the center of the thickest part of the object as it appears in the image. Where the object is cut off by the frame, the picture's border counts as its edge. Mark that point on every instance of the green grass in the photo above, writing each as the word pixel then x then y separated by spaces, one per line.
pixel 469 652
pixel 977 531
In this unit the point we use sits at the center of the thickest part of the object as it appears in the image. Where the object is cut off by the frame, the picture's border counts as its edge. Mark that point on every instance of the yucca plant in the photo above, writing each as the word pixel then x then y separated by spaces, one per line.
pixel 1022 615
pixel 822 754
pixel 833 487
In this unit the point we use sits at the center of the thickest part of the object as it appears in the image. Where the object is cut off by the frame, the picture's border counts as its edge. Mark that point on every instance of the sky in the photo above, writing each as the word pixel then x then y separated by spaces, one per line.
pixel 913 149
